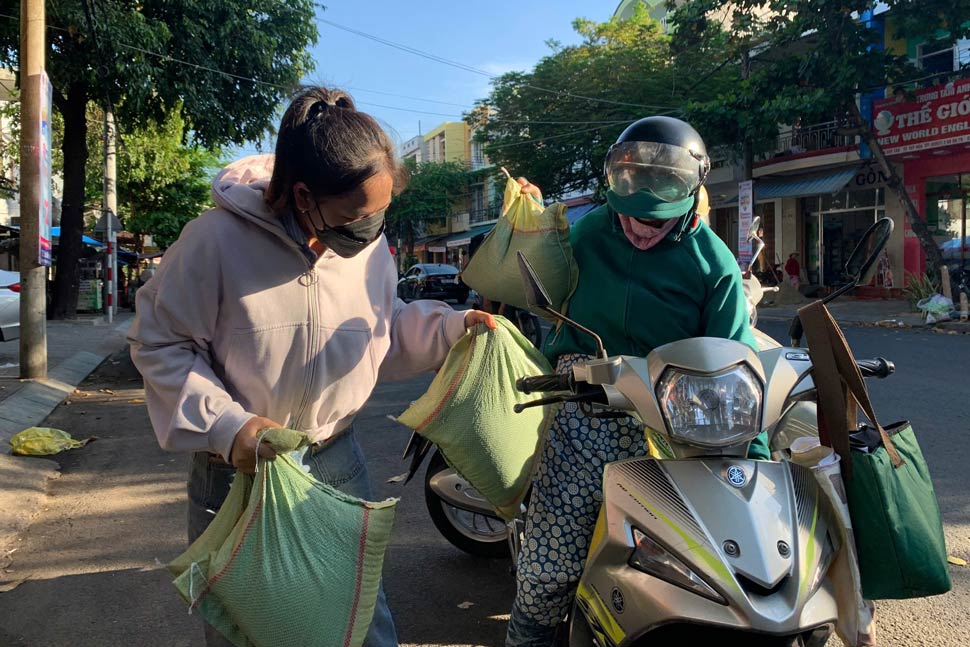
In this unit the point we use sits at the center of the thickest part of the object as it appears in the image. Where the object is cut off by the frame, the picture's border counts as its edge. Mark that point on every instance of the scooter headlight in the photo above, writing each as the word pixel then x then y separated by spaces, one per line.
pixel 653 559
pixel 707 410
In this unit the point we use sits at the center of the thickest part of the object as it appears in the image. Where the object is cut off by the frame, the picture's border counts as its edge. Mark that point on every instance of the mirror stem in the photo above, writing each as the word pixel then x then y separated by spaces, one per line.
pixel 600 350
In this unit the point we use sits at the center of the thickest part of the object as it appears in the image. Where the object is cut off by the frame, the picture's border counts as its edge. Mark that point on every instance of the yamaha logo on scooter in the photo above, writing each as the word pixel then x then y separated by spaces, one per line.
pixel 736 476
pixel 617 599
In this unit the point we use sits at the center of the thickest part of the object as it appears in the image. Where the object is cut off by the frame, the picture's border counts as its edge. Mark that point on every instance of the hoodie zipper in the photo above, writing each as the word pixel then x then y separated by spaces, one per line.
pixel 309 280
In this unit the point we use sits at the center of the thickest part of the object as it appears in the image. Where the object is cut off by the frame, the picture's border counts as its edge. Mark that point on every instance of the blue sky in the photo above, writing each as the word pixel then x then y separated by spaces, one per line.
pixel 495 37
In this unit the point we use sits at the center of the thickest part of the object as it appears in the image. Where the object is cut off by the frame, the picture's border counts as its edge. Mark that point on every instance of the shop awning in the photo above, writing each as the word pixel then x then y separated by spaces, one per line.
pixel 574 213
pixel 56 233
pixel 465 237
pixel 795 187
pixel 827 184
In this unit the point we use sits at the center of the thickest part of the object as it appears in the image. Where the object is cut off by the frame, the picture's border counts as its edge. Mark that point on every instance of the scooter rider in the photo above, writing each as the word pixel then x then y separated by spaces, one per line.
pixel 650 273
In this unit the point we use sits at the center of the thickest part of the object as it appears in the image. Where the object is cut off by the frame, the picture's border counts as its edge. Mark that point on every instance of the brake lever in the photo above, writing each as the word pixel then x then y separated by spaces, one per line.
pixel 541 402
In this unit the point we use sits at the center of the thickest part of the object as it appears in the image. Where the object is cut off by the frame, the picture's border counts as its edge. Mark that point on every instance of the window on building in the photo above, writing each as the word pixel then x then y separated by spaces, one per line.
pixel 936 56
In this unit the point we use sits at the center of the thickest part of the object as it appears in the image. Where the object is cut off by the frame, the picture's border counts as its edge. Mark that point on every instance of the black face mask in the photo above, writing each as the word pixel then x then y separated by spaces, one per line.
pixel 351 239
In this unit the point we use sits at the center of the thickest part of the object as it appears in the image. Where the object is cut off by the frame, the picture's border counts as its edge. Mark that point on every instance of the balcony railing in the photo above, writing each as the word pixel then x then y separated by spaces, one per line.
pixel 814 138
pixel 481 216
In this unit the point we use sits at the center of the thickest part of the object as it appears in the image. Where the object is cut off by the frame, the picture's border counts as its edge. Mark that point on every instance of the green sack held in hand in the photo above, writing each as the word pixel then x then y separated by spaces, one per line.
pixel 288 560
pixel 542 234
pixel 467 412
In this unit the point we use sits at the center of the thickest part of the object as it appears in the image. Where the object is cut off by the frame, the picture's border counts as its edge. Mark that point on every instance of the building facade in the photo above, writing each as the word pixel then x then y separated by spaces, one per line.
pixel 819 189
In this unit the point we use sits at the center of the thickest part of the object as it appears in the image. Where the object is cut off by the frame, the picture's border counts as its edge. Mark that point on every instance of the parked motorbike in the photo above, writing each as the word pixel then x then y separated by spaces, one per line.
pixel 704 544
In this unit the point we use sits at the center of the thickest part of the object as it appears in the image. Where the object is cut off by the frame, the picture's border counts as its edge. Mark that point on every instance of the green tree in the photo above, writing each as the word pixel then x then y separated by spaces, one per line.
pixel 555 124
pixel 163 182
pixel 810 59
pixel 433 192
pixel 146 57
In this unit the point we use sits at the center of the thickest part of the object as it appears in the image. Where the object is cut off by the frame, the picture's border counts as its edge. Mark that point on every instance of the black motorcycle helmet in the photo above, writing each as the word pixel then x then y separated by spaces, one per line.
pixel 661 156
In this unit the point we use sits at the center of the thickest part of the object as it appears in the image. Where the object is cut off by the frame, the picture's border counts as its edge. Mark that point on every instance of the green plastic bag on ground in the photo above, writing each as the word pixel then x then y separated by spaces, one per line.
pixel 542 234
pixel 288 560
pixel 467 412
pixel 43 441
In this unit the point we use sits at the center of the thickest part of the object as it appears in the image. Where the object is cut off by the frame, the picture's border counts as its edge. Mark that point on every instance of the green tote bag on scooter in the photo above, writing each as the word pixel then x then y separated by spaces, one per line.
pixel 895 514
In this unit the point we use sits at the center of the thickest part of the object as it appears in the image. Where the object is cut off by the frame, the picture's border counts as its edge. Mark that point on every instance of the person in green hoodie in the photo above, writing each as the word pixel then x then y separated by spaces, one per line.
pixel 651 272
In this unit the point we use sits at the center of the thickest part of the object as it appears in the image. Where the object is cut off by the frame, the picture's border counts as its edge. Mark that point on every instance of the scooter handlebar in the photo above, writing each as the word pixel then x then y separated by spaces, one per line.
pixel 545 383
pixel 879 367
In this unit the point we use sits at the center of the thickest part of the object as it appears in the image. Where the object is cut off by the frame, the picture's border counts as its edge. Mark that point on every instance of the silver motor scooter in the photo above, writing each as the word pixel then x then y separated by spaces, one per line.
pixel 705 544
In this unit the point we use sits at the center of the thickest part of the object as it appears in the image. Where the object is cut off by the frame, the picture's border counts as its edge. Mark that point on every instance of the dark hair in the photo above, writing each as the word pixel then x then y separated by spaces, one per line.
pixel 329 146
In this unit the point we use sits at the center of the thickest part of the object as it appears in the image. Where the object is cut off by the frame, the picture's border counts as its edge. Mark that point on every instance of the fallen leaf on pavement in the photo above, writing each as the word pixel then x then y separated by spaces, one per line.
pixel 466 605
pixel 136 401
pixel 10 586
pixel 400 478
pixel 956 561
pixel 108 391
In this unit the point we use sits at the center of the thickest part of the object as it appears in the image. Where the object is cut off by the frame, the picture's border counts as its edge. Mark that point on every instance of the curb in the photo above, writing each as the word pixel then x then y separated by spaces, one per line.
pixel 31 405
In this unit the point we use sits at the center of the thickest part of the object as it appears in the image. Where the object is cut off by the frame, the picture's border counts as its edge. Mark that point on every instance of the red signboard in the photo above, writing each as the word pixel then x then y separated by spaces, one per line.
pixel 939 117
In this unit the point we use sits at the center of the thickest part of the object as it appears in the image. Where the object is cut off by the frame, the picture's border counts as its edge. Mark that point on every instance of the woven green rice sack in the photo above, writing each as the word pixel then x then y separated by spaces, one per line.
pixel 288 560
pixel 542 234
pixel 467 412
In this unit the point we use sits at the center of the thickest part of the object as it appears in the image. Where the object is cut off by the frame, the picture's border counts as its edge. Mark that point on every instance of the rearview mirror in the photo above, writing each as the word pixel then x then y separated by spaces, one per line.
pixel 753 229
pixel 535 294
pixel 757 246
pixel 538 299
pixel 862 263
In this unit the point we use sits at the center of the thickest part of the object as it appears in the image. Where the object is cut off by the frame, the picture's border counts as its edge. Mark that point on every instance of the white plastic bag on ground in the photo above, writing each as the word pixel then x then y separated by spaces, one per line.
pixel 936 308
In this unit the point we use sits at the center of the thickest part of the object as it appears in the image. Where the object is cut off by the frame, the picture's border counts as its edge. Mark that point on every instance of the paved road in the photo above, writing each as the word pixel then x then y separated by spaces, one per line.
pixel 93 555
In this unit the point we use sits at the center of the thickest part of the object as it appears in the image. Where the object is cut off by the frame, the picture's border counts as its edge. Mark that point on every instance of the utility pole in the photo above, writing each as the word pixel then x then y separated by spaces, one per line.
pixel 35 191
pixel 109 208
pixel 747 150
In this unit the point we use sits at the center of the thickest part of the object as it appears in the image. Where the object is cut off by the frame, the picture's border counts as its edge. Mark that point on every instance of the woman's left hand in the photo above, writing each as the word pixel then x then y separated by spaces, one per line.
pixel 475 317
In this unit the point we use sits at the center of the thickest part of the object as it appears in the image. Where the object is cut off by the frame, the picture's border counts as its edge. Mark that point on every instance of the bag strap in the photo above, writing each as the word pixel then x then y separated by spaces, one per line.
pixel 857 385
pixel 841 388
pixel 832 397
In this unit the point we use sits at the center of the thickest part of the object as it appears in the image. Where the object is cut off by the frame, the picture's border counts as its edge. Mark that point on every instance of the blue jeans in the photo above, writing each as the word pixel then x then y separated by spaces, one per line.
pixel 340 463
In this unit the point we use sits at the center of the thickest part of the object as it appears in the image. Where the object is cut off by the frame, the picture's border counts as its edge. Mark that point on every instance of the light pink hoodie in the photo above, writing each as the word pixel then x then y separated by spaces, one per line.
pixel 237 323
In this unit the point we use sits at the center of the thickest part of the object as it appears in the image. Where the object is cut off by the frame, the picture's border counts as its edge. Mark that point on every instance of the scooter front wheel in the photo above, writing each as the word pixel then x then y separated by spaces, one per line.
pixel 475 533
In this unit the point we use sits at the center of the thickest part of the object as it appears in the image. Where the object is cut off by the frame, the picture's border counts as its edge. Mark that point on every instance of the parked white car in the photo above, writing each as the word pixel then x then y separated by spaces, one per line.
pixel 9 305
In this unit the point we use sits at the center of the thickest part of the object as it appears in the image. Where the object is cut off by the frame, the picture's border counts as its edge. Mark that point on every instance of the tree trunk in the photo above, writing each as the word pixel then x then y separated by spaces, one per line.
pixel 66 279
pixel 934 259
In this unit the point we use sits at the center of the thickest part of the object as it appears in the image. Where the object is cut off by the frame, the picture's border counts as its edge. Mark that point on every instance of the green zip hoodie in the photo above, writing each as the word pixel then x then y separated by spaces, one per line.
pixel 640 300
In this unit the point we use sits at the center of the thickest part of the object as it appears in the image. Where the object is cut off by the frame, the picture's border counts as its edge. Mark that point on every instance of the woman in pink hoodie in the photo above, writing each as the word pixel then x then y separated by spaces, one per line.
pixel 278 308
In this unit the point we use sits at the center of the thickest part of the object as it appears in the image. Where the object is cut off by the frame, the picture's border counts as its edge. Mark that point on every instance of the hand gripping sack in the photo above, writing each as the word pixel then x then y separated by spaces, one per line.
pixel 467 412
pixel 288 560
pixel 542 234
pixel 895 514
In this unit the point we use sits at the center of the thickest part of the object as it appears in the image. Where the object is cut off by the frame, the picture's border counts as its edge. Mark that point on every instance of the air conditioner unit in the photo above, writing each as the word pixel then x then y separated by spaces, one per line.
pixel 460 222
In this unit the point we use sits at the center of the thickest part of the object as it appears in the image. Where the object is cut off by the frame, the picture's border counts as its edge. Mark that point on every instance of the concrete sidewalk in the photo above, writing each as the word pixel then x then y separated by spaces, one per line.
pixel 74 349
pixel 852 311
pixel 891 313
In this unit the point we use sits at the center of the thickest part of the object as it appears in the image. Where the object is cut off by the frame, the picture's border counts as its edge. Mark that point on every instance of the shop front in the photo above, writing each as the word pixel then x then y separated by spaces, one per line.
pixel 929 138
pixel 833 225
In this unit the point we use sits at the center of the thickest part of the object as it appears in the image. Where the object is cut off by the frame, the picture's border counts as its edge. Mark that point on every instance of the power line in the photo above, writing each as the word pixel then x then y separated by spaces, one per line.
pixel 468 68
pixel 551 137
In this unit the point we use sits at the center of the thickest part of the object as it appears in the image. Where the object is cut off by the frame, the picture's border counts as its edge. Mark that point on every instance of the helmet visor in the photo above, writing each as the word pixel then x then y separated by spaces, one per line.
pixel 672 173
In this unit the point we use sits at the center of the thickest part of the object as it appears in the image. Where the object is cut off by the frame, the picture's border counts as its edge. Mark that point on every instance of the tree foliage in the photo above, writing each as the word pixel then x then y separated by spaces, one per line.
pixel 810 59
pixel 144 58
pixel 162 181
pixel 555 124
pixel 433 192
